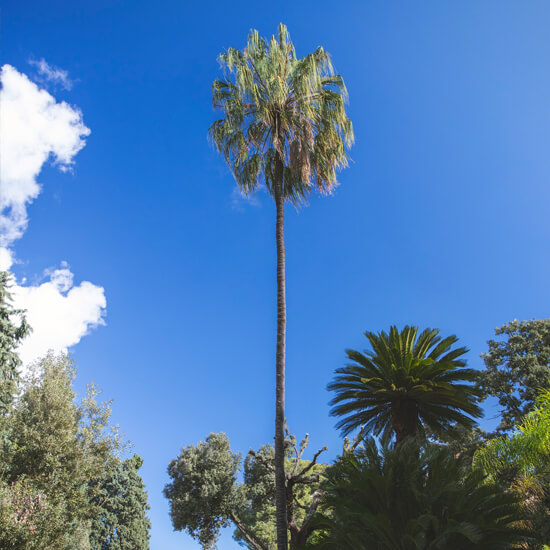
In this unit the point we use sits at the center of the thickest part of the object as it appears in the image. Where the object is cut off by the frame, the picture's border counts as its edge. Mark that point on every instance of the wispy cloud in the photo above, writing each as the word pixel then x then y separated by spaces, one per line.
pixel 52 74
pixel 239 200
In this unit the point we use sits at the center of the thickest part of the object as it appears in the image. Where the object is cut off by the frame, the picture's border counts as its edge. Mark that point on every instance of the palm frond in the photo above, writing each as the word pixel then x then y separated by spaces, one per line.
pixel 280 108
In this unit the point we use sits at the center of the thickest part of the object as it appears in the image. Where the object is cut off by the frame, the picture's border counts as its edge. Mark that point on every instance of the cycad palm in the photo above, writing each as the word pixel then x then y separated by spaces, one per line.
pixel 405 384
pixel 284 125
pixel 407 498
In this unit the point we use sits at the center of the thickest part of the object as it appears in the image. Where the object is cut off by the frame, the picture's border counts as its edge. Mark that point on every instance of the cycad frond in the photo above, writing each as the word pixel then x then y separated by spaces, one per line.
pixel 408 498
pixel 406 381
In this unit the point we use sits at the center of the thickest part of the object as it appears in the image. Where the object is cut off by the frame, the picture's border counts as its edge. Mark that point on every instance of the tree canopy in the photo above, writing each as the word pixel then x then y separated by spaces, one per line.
pixel 54 464
pixel 205 494
pixel 522 460
pixel 11 334
pixel 284 117
pixel 517 368
pixel 405 383
pixel 120 505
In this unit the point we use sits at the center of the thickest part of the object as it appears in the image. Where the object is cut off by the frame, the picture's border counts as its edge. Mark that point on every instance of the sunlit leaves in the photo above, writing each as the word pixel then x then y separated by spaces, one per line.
pixel 278 107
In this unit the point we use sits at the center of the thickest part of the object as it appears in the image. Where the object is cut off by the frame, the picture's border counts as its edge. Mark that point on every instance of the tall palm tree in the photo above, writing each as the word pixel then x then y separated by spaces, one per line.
pixel 285 126
pixel 405 384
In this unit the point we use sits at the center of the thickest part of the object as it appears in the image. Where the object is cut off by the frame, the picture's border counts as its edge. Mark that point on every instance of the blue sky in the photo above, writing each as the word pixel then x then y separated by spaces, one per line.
pixel 441 220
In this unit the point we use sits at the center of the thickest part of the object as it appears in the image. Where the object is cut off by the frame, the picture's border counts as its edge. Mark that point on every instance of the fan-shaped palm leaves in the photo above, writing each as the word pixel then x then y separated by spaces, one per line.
pixel 405 384
pixel 284 125
pixel 284 118
pixel 405 499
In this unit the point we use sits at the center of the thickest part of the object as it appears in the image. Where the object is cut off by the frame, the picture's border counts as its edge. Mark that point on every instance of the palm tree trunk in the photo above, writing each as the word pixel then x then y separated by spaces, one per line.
pixel 405 420
pixel 280 489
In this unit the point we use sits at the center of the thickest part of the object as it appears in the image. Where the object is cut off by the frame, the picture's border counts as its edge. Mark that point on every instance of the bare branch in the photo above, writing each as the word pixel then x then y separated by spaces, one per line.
pixel 313 462
pixel 299 453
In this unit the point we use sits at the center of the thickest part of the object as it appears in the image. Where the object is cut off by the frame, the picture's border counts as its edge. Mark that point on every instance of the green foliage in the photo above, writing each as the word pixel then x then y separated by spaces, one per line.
pixel 406 498
pixel 257 507
pixel 405 384
pixel 55 451
pixel 46 451
pixel 527 450
pixel 517 367
pixel 205 494
pixel 120 506
pixel 10 336
pixel 523 461
pixel 284 117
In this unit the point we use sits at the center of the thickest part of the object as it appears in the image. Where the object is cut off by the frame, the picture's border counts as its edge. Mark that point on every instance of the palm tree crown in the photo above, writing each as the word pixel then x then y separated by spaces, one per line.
pixel 405 384
pixel 284 117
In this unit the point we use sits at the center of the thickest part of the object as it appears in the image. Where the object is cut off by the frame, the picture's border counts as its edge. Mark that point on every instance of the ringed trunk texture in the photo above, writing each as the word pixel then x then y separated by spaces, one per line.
pixel 280 489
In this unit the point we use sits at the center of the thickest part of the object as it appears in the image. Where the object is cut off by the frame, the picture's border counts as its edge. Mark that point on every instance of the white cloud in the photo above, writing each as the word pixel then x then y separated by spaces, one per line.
pixel 52 74
pixel 6 259
pixel 33 129
pixel 59 313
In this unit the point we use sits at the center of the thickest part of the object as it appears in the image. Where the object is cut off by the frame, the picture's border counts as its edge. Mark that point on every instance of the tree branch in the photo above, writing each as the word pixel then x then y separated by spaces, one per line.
pixel 256 545
pixel 305 529
pixel 299 504
pixel 311 464
pixel 313 478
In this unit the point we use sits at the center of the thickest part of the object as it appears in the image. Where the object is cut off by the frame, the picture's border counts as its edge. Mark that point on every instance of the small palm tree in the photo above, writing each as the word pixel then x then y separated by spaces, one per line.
pixel 405 384
pixel 284 126
pixel 407 498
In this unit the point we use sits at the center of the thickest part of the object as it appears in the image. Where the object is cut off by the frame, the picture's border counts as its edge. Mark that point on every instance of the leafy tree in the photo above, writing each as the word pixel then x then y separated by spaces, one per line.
pixel 202 492
pixel 408 499
pixel 463 441
pixel 120 506
pixel 11 335
pixel 56 448
pixel 405 383
pixel 517 367
pixel 523 461
pixel 284 125
pixel 527 449
pixel 205 495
